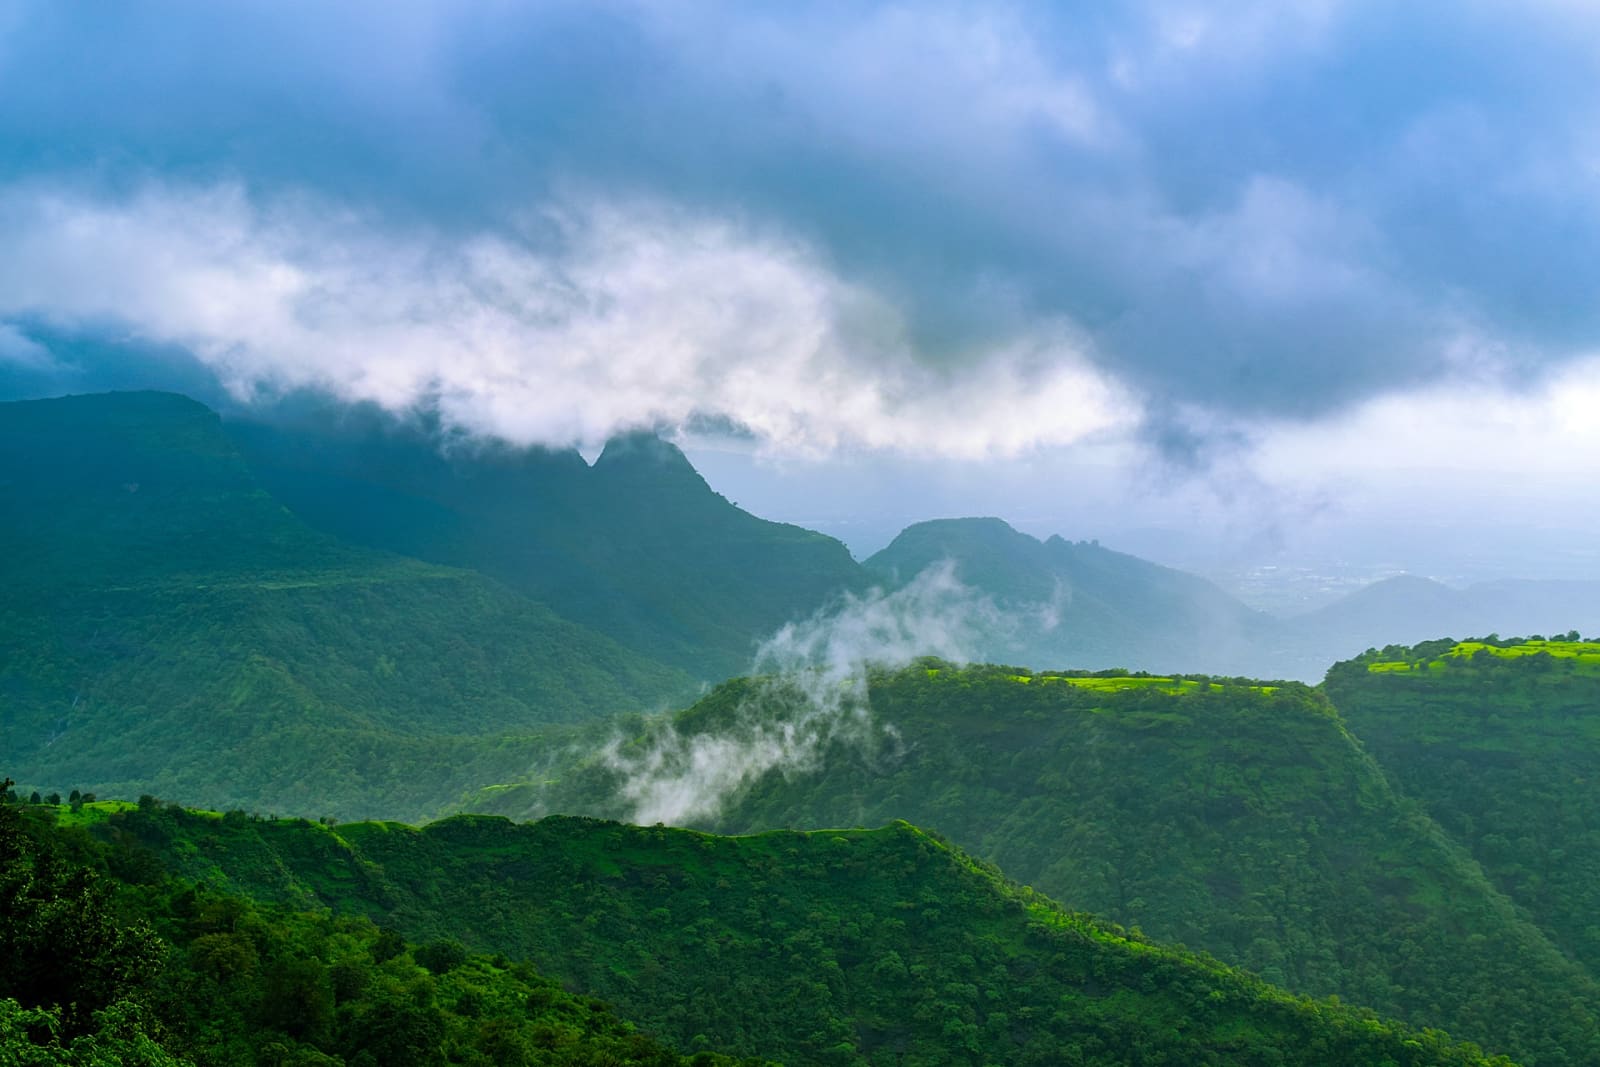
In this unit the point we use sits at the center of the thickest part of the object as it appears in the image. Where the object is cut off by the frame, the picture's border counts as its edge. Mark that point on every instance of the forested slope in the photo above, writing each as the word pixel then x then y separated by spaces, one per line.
pixel 106 961
pixel 637 547
pixel 169 626
pixel 848 947
pixel 1501 743
pixel 1237 818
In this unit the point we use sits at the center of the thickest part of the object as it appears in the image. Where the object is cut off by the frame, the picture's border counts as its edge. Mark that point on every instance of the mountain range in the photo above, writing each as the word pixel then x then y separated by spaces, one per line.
pixel 1245 820
pixel 838 947
pixel 365 620
pixel 388 595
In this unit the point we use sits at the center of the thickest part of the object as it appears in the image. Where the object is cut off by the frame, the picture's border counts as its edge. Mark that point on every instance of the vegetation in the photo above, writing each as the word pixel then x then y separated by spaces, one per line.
pixel 169 626
pixel 105 960
pixel 637 547
pixel 1500 740
pixel 850 947
pixel 1241 819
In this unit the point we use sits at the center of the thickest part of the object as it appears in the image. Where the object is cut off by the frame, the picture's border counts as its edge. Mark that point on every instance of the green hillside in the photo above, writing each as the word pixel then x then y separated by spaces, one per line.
pixel 637 547
pixel 106 962
pixel 1501 742
pixel 1240 819
pixel 850 947
pixel 168 626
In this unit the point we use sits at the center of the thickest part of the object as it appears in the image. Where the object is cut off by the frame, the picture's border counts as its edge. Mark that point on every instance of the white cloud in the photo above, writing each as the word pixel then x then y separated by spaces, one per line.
pixel 592 317
pixel 1474 426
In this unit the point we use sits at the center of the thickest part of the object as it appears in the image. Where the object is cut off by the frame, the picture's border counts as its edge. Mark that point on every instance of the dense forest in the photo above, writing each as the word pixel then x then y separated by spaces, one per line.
pixel 1501 742
pixel 378 943
pixel 637 547
pixel 169 626
pixel 1238 818
pixel 107 960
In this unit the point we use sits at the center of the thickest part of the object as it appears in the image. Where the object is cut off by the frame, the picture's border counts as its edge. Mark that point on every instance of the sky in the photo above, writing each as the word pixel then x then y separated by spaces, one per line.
pixel 1228 284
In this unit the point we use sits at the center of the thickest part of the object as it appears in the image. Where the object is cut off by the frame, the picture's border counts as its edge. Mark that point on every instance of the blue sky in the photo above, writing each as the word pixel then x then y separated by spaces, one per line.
pixel 1264 265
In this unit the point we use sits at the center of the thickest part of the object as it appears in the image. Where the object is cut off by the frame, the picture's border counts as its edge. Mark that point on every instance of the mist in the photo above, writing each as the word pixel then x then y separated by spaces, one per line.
pixel 810 693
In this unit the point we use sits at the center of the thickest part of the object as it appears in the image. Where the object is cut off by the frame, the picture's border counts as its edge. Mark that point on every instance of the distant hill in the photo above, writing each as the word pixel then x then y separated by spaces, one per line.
pixel 1408 609
pixel 833 947
pixel 1075 604
pixel 637 547
pixel 168 625
pixel 1241 820
pixel 1501 744
pixel 1078 605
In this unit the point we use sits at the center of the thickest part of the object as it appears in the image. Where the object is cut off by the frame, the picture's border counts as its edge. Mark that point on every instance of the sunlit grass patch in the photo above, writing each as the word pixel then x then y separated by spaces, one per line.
pixel 1583 653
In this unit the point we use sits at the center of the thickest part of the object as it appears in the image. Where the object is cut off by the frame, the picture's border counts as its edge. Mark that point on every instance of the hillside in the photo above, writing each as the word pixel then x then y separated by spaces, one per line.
pixel 1501 743
pixel 848 947
pixel 637 547
pixel 1075 604
pixel 105 962
pixel 169 626
pixel 1243 820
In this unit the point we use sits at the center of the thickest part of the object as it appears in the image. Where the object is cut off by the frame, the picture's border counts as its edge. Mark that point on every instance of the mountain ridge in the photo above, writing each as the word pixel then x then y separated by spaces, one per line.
pixel 1243 819
pixel 850 947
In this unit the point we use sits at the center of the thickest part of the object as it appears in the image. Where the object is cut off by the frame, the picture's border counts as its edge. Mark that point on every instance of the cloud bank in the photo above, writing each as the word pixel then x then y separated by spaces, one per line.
pixel 586 318
pixel 937 228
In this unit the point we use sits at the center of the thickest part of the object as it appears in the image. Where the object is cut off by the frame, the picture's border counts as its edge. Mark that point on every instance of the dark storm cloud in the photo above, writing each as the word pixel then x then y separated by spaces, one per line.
pixel 1242 208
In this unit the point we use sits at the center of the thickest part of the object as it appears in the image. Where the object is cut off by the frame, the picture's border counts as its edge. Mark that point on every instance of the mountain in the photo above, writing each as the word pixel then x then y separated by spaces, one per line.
pixel 1075 604
pixel 169 625
pixel 1501 744
pixel 1244 820
pixel 637 547
pixel 1408 609
pixel 834 947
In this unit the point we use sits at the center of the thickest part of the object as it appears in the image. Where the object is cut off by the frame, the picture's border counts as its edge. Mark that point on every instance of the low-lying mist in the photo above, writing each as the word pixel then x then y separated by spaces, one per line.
pixel 809 692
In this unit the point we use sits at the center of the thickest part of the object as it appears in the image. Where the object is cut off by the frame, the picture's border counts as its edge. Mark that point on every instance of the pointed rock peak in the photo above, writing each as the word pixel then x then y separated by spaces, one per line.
pixel 641 448
pixel 641 459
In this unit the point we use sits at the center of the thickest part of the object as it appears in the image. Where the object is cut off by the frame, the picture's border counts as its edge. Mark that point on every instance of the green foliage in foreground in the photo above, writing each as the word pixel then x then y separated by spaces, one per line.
pixel 1501 742
pixel 832 947
pixel 1240 819
pixel 105 961
pixel 169 627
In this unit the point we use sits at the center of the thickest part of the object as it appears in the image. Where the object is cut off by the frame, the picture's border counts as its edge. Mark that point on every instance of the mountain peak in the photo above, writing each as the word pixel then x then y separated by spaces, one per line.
pixel 644 451
pixel 638 445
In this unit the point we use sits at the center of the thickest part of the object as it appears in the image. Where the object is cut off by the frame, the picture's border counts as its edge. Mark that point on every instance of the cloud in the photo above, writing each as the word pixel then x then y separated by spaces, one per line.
pixel 811 693
pixel 1433 438
pixel 18 350
pixel 588 318
pixel 1253 211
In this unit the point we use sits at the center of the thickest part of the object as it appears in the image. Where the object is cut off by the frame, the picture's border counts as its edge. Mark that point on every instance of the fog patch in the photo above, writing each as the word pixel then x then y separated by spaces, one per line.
pixel 811 693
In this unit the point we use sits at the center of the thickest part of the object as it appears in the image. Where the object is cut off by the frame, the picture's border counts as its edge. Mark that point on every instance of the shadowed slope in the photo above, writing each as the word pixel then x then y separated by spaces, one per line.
pixel 168 625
